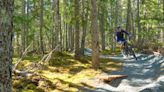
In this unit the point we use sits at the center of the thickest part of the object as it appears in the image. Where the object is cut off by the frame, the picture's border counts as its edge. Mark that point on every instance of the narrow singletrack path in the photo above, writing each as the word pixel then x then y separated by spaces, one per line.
pixel 144 75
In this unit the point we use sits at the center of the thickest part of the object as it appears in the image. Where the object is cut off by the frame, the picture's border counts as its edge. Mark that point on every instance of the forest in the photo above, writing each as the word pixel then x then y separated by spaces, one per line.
pixel 71 46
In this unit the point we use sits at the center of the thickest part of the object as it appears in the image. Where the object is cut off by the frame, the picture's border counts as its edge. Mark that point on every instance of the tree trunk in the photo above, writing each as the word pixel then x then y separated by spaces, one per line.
pixel 111 31
pixel 102 26
pixel 77 37
pixel 84 25
pixel 58 19
pixel 138 19
pixel 18 44
pixel 116 23
pixel 133 31
pixel 128 22
pixel 53 26
pixel 41 27
pixel 94 35
pixel 71 29
pixel 57 26
pixel 34 41
pixel 66 33
pixel 163 22
pixel 23 32
pixel 27 23
pixel 6 29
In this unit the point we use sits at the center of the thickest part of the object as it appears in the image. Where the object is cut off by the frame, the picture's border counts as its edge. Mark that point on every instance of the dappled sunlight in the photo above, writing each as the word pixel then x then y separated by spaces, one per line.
pixel 111 66
pixel 146 73
pixel 66 73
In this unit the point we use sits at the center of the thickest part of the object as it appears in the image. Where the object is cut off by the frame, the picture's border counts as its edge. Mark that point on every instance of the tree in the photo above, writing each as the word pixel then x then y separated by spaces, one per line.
pixel 138 17
pixel 128 21
pixel 102 31
pixel 57 26
pixel 66 22
pixel 41 27
pixel 77 47
pixel 163 21
pixel 23 32
pixel 6 29
pixel 84 18
pixel 94 35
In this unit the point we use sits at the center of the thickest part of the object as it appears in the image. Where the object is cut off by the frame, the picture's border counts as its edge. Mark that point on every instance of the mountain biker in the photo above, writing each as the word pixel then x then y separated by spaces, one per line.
pixel 120 38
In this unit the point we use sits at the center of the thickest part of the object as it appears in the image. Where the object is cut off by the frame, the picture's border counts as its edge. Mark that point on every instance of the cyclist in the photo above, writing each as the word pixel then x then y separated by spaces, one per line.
pixel 120 38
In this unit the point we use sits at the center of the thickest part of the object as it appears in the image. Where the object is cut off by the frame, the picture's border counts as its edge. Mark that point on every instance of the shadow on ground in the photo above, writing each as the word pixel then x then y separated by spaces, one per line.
pixel 144 75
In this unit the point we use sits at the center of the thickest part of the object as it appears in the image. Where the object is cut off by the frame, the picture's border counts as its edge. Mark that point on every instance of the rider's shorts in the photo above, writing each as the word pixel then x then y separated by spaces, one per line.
pixel 121 41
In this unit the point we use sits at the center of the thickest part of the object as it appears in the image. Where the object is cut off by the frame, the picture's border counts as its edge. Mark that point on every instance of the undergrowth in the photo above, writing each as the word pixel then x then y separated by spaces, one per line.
pixel 61 73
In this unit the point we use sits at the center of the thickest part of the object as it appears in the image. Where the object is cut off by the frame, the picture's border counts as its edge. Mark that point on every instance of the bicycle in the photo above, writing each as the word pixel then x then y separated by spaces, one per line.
pixel 128 50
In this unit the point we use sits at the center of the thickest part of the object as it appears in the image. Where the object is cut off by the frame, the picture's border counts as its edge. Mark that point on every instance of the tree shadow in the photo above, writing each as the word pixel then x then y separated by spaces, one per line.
pixel 80 88
pixel 147 68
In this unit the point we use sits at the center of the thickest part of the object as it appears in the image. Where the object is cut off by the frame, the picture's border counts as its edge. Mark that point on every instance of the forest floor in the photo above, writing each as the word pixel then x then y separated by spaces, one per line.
pixel 144 75
pixel 64 74
pixel 61 74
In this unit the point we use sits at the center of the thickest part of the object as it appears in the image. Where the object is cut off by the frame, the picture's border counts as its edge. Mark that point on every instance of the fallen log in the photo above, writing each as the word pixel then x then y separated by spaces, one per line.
pixel 113 80
pixel 23 73
pixel 109 78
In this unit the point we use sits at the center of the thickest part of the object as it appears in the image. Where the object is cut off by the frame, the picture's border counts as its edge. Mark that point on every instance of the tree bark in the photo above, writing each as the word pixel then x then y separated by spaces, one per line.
pixel 116 22
pixel 128 22
pixel 27 22
pixel 18 44
pixel 72 37
pixel 163 23
pixel 138 18
pixel 23 32
pixel 102 26
pixel 111 31
pixel 41 27
pixel 57 26
pixel 6 50
pixel 84 25
pixel 77 37
pixel 94 35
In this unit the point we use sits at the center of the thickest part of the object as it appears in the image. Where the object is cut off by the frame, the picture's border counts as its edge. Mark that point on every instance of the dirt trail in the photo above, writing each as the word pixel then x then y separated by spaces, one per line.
pixel 144 75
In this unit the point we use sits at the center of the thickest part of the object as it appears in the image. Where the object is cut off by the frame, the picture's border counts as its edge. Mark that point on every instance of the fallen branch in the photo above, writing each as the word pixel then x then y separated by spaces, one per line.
pixel 20 59
pixel 47 57
pixel 113 80
pixel 26 73
pixel 110 78
pixel 23 73
pixel 43 58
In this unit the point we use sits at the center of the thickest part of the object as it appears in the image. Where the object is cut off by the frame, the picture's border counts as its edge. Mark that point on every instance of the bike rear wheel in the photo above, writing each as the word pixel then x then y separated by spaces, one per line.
pixel 129 50
pixel 132 53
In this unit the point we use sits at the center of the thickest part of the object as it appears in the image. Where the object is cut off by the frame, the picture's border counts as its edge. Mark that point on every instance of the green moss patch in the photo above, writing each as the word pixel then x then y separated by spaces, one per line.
pixel 62 73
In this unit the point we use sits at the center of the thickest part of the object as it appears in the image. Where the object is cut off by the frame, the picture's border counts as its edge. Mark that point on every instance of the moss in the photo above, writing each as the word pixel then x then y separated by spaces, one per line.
pixel 30 86
pixel 110 52
pixel 39 90
pixel 17 84
pixel 106 52
pixel 28 90
pixel 63 73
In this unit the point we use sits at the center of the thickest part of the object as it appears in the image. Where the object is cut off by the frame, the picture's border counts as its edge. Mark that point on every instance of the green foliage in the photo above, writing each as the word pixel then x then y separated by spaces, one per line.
pixel 66 73
pixel 110 52
pixel 60 59
pixel 150 14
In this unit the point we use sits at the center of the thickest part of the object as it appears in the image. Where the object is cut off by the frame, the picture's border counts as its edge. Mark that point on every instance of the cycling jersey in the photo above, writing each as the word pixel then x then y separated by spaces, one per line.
pixel 120 36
